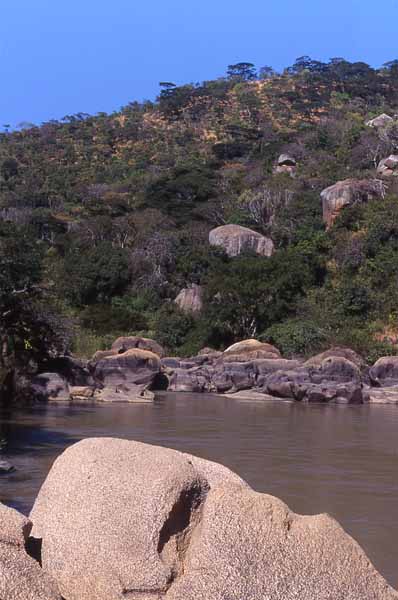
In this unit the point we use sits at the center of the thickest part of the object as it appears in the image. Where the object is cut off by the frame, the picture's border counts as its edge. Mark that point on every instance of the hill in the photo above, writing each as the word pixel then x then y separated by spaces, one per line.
pixel 105 219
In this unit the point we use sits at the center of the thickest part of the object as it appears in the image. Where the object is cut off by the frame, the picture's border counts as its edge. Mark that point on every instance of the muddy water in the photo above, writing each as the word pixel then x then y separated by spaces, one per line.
pixel 336 459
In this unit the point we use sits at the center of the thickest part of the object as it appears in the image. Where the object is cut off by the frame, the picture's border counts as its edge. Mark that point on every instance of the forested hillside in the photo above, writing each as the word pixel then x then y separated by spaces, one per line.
pixel 104 219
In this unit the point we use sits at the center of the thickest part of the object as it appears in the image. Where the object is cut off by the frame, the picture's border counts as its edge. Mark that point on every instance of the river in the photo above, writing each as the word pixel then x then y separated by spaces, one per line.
pixel 317 458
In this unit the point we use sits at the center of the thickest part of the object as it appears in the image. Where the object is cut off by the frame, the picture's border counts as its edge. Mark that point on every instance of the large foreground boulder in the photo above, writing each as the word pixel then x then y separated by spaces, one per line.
pixel 115 517
pixel 236 239
pixel 121 520
pixel 21 577
pixel 348 193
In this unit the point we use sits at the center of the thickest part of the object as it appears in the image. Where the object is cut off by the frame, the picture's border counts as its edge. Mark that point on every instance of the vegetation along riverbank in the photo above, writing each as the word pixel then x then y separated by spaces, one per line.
pixel 259 205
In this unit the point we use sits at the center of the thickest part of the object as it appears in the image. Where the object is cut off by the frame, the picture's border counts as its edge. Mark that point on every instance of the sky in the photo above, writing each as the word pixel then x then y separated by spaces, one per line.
pixel 61 57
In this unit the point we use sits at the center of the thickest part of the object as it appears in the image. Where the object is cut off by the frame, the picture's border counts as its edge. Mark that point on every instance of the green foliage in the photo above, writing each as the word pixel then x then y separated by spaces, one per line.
pixel 173 327
pixel 296 337
pixel 177 192
pixel 252 293
pixel 30 329
pixel 111 215
pixel 96 275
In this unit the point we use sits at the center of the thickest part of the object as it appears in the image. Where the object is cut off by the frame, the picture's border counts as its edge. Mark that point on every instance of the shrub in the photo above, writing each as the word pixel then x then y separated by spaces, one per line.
pixel 296 337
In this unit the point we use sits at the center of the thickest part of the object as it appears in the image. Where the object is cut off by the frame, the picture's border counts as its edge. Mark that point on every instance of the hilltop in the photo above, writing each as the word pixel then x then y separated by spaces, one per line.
pixel 105 219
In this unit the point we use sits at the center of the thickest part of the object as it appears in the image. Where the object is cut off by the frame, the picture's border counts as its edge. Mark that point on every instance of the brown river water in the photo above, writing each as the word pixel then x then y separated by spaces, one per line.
pixel 337 459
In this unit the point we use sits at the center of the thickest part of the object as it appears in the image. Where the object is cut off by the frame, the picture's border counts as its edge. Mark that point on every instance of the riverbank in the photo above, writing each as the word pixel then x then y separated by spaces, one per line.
pixel 134 368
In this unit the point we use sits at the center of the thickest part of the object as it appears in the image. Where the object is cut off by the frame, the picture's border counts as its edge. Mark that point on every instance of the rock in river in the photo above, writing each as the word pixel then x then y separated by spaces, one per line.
pixel 6 467
pixel 121 519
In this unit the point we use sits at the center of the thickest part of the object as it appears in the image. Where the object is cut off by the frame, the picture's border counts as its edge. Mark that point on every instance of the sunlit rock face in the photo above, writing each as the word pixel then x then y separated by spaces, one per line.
pixel 381 121
pixel 348 193
pixel 286 164
pixel 388 167
pixel 120 519
pixel 236 239
pixel 190 299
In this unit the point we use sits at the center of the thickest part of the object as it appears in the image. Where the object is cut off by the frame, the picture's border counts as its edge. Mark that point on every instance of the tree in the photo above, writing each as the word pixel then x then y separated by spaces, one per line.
pixel 30 328
pixel 243 71
pixel 266 72
pixel 249 294
pixel 96 275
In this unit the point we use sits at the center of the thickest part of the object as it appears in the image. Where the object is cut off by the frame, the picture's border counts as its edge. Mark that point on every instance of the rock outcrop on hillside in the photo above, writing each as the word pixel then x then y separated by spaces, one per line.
pixel 120 519
pixel 236 239
pixel 348 193
pixel 388 167
pixel 381 121
pixel 286 164
pixel 190 299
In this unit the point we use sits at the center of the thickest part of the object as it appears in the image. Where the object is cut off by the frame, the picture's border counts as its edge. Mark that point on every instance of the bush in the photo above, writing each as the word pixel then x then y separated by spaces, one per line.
pixel 296 337
pixel 96 275
pixel 173 327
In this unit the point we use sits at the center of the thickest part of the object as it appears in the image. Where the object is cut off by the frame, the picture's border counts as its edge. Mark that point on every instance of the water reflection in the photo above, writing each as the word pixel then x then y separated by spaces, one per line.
pixel 336 459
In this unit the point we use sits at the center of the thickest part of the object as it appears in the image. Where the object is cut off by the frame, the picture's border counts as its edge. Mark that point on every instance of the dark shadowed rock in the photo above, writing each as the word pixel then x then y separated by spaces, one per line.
pixel 74 370
pixel 190 299
pixel 195 379
pixel 21 577
pixel 121 519
pixel 335 380
pixel 49 387
pixel 348 193
pixel 233 376
pixel 6 467
pixel 236 239
pixel 123 344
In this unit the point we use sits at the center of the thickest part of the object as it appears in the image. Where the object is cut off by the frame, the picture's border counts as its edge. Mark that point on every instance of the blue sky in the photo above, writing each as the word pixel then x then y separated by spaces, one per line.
pixel 61 57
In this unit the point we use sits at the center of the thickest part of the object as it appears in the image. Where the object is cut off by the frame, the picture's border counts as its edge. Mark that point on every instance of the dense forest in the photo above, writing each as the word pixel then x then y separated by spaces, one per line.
pixel 104 219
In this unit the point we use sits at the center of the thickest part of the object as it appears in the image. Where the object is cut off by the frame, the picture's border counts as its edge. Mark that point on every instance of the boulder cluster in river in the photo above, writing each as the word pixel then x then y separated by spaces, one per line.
pixel 117 519
pixel 135 367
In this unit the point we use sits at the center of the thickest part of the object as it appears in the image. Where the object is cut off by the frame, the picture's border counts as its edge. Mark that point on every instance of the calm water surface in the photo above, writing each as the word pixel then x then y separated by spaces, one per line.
pixel 336 459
